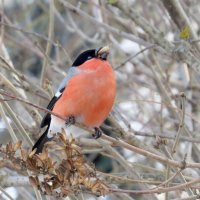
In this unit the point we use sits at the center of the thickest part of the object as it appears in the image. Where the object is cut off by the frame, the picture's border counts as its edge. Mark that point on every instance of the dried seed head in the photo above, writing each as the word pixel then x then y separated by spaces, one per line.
pixel 61 177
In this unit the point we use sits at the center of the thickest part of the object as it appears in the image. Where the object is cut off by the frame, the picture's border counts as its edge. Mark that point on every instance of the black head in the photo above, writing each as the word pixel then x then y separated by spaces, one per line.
pixel 100 53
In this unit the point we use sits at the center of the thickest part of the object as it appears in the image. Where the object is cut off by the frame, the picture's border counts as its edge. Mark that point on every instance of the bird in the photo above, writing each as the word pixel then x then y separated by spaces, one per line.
pixel 86 96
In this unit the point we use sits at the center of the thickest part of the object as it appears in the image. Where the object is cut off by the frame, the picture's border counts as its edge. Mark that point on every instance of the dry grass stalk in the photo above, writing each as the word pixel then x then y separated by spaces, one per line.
pixel 59 178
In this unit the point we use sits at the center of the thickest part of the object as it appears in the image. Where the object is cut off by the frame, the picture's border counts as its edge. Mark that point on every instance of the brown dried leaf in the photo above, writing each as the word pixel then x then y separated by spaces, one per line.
pixel 34 181
pixel 17 145
pixel 44 155
pixel 24 154
pixel 66 177
pixel 31 164
pixel 65 191
pixel 59 174
pixel 66 165
pixel 96 186
pixel 62 136
pixel 9 148
pixel 48 187
pixel 32 153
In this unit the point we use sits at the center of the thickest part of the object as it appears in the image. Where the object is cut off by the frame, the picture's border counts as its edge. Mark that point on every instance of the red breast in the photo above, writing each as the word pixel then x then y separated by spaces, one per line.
pixel 89 96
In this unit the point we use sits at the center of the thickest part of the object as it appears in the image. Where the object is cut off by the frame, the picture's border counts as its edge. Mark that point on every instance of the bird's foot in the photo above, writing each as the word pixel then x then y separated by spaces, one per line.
pixel 70 121
pixel 98 132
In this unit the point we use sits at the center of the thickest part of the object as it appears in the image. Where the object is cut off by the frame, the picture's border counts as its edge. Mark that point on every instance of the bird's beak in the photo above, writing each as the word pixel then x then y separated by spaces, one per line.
pixel 102 52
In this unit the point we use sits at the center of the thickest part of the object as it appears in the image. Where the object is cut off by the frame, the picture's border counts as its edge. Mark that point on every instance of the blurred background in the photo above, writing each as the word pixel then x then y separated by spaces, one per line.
pixel 154 50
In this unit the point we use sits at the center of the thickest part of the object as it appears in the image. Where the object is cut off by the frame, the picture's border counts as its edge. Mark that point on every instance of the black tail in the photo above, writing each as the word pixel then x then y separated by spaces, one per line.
pixel 41 141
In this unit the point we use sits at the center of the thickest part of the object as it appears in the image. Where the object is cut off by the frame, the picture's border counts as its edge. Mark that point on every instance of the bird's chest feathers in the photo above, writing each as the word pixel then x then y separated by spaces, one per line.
pixel 100 82
pixel 90 91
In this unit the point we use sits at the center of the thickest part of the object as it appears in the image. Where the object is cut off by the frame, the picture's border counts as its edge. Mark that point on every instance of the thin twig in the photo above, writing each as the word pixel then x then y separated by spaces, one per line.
pixel 133 56
pixel 5 193
pixel 182 96
pixel 18 123
pixel 166 182
pixel 12 133
pixel 50 38
pixel 159 190
pixel 116 142
pixel 105 26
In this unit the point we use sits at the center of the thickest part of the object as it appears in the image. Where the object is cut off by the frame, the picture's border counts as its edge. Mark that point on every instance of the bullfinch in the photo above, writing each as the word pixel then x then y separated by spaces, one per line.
pixel 86 96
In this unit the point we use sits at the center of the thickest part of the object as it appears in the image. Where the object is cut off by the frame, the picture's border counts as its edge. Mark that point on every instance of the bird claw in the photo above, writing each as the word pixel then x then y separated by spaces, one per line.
pixel 98 133
pixel 70 121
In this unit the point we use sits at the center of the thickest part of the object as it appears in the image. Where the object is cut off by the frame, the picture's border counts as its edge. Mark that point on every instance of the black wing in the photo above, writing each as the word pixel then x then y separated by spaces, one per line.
pixel 47 117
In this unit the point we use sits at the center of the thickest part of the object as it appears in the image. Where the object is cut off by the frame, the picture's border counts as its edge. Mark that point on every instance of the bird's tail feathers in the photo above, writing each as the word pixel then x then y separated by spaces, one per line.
pixel 41 141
